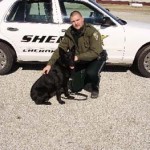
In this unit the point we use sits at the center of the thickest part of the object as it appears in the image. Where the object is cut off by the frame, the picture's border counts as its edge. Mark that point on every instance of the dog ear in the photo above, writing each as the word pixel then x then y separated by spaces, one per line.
pixel 73 50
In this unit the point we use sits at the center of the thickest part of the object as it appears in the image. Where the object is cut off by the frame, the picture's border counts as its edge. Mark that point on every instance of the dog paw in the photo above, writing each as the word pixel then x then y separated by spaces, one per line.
pixel 44 103
pixel 61 102
pixel 70 97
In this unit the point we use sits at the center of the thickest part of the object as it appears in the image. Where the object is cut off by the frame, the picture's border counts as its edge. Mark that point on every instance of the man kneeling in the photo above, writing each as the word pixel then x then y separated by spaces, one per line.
pixel 88 45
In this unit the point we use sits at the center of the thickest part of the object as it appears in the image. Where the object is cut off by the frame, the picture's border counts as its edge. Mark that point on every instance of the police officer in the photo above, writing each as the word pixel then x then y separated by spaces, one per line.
pixel 87 41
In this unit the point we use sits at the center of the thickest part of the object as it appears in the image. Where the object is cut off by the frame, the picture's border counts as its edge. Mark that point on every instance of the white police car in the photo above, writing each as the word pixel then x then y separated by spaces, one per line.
pixel 30 31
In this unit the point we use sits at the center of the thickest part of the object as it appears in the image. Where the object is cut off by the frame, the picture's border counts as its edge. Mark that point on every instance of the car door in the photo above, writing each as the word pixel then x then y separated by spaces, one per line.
pixel 113 36
pixel 32 30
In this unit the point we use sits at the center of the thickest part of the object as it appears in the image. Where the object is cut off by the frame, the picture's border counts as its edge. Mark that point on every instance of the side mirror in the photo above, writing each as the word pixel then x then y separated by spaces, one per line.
pixel 107 9
pixel 107 22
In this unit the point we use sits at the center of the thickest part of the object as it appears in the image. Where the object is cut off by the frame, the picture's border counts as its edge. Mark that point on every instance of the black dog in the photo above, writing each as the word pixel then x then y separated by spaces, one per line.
pixel 57 79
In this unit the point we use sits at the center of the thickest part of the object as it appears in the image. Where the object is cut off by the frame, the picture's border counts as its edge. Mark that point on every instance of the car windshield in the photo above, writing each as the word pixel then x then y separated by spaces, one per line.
pixel 122 22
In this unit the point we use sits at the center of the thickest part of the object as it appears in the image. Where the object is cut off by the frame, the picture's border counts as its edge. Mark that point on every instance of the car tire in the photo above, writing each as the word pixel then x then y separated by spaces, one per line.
pixel 143 61
pixel 6 58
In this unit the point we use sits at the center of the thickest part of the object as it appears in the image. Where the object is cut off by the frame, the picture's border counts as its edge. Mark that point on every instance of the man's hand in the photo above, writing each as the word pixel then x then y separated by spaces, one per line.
pixel 75 58
pixel 46 69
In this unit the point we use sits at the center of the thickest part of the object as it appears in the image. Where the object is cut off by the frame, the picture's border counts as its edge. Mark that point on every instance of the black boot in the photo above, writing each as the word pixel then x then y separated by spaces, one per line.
pixel 95 88
pixel 95 92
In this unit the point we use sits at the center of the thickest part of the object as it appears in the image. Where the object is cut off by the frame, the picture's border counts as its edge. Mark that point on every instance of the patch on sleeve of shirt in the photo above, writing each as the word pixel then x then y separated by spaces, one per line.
pixel 95 34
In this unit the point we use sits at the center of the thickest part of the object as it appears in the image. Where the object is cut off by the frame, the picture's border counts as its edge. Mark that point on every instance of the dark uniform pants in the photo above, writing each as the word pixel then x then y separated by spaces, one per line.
pixel 92 70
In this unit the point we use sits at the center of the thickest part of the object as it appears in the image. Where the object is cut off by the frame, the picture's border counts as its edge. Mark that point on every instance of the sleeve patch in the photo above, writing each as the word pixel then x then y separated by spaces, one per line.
pixel 95 34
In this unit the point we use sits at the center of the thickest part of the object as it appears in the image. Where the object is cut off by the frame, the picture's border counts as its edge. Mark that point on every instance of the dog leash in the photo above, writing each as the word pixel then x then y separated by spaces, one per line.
pixel 79 94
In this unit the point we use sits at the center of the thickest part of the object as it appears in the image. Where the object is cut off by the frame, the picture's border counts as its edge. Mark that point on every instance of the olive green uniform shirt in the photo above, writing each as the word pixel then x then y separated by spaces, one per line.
pixel 89 44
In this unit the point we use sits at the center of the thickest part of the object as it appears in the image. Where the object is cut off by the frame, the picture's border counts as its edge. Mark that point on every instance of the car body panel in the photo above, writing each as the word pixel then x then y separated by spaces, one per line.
pixel 37 41
pixel 137 35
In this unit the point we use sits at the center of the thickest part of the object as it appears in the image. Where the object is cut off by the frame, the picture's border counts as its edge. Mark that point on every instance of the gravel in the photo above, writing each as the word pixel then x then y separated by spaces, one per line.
pixel 118 120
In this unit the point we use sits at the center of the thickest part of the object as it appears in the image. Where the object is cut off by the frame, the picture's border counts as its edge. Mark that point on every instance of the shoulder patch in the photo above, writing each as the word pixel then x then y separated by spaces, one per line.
pixel 95 34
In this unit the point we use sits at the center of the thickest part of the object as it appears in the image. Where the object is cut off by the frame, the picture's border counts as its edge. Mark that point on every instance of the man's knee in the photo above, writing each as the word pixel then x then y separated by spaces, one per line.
pixel 92 74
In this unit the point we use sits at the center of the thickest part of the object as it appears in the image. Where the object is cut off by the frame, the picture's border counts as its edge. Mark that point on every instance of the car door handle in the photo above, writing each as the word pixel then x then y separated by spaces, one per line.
pixel 12 29
pixel 63 30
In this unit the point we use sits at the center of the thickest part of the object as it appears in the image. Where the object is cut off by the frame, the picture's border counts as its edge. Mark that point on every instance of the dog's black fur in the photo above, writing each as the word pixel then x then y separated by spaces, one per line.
pixel 57 79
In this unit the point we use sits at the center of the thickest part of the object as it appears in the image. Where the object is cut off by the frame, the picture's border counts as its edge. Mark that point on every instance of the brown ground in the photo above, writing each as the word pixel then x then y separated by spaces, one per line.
pixel 116 7
pixel 130 13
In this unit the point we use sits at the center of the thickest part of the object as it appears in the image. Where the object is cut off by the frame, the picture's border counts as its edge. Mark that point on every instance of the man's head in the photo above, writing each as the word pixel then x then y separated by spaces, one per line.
pixel 77 20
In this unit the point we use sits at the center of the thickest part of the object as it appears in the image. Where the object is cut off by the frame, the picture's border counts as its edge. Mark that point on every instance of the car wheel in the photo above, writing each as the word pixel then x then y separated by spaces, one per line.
pixel 6 59
pixel 143 61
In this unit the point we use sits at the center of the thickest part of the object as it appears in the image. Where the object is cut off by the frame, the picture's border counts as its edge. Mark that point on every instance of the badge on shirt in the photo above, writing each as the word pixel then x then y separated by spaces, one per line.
pixel 95 34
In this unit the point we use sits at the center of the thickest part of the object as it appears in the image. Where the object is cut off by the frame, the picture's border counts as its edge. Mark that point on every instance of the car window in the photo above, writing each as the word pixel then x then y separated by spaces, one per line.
pixel 90 14
pixel 31 11
pixel 17 13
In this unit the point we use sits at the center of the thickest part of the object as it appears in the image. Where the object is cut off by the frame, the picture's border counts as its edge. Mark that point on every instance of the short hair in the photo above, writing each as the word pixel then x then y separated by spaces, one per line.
pixel 74 13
